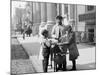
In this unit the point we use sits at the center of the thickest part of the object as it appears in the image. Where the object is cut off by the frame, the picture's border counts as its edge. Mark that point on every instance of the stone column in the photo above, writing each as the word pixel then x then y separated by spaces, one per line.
pixel 63 9
pixel 43 18
pixel 64 13
pixel 38 13
pixel 43 13
pixel 36 17
pixel 51 15
pixel 59 9
pixel 71 12
pixel 34 13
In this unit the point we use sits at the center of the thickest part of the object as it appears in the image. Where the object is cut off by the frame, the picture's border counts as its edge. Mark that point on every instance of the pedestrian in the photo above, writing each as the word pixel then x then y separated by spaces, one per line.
pixel 24 29
pixel 57 32
pixel 45 45
pixel 72 47
pixel 29 30
pixel 82 36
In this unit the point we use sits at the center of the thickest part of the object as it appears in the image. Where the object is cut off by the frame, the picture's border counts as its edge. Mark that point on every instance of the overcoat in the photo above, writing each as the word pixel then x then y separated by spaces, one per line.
pixel 73 50
pixel 71 46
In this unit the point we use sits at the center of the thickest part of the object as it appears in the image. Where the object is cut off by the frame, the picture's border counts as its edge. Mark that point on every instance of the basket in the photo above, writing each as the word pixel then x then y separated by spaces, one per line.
pixel 59 58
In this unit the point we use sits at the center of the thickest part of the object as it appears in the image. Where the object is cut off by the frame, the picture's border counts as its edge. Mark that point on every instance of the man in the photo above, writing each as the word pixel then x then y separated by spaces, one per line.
pixel 57 32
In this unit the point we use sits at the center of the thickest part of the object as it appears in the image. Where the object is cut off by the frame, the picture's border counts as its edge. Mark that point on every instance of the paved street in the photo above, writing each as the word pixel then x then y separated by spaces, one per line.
pixel 85 61
pixel 20 63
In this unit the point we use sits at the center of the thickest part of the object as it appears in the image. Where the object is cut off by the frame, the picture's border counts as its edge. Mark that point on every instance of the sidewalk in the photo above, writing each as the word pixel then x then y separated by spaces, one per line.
pixel 20 62
pixel 85 61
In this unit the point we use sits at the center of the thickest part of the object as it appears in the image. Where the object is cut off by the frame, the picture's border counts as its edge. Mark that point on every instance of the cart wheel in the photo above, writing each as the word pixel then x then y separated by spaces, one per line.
pixel 51 54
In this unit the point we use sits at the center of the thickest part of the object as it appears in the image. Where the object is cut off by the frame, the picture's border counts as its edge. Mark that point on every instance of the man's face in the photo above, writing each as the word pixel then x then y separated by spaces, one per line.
pixel 57 20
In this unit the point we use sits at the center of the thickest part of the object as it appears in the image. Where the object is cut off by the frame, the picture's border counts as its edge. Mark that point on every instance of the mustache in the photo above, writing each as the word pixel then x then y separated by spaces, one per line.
pixel 60 23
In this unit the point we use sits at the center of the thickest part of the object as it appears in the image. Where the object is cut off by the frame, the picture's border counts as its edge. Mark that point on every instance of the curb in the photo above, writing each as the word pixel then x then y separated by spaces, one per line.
pixel 23 48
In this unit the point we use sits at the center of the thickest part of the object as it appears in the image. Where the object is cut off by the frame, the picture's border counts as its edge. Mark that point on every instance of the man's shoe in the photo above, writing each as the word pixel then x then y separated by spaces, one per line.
pixel 65 70
pixel 73 69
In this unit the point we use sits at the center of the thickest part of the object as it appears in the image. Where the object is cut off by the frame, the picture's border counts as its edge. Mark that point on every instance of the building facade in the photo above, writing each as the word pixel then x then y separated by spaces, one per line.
pixel 42 14
pixel 84 15
pixel 87 22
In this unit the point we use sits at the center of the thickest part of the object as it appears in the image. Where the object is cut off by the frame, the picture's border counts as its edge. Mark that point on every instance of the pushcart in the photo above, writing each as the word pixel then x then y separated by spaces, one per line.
pixel 57 54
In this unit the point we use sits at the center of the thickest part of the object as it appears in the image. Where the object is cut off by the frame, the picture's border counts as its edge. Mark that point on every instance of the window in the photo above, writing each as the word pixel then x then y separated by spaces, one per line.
pixel 89 8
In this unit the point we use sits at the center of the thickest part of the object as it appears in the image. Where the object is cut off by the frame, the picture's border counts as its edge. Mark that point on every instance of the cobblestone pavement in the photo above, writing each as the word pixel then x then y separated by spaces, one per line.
pixel 22 67
pixel 20 63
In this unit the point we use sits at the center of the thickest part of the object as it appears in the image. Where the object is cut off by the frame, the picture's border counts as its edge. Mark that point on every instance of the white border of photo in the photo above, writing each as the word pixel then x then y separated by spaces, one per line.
pixel 5 36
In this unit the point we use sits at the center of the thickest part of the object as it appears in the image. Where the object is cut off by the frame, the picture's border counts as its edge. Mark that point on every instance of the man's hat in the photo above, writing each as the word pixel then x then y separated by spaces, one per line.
pixel 59 17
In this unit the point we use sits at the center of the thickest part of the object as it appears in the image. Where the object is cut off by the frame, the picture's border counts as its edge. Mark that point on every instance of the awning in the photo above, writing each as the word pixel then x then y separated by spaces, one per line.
pixel 87 16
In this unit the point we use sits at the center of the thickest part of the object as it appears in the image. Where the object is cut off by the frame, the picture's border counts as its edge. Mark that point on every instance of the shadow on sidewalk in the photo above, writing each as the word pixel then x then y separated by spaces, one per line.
pixel 17 51
pixel 32 48
pixel 84 46
pixel 88 66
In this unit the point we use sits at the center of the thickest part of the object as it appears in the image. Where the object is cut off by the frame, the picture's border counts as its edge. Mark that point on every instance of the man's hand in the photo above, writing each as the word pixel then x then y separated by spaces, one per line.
pixel 48 43
pixel 53 36
pixel 60 44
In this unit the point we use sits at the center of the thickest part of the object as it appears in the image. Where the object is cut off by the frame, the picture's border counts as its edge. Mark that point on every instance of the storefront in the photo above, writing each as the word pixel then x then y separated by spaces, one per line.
pixel 90 25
